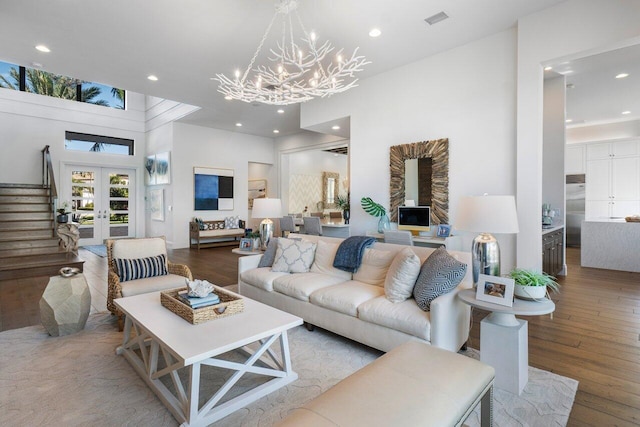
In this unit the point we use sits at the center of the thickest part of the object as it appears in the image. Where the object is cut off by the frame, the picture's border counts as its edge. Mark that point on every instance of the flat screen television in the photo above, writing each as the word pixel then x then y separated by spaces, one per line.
pixel 414 218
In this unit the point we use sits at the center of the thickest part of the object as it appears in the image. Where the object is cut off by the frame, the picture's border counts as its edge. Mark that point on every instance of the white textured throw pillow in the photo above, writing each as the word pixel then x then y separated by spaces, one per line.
pixel 402 275
pixel 373 269
pixel 294 256
pixel 323 263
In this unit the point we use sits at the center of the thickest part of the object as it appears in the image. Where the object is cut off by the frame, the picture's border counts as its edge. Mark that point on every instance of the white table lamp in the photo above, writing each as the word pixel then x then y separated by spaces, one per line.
pixel 267 209
pixel 486 215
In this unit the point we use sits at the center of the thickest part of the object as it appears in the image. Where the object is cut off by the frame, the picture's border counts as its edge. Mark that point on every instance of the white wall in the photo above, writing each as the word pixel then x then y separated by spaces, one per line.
pixel 205 147
pixel 29 121
pixel 160 140
pixel 466 94
pixel 553 180
pixel 557 32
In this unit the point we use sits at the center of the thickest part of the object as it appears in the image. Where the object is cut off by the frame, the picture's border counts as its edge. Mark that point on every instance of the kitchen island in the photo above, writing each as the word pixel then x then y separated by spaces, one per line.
pixel 611 243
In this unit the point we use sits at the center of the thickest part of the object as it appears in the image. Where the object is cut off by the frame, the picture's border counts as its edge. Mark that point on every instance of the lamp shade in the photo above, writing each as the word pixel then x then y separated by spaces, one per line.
pixel 487 214
pixel 267 208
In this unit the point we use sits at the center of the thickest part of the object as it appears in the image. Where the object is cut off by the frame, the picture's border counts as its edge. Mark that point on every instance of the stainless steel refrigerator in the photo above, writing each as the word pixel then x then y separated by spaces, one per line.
pixel 575 195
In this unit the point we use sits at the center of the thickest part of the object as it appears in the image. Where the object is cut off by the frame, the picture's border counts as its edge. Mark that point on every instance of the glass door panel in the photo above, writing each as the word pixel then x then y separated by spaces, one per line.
pixel 118 204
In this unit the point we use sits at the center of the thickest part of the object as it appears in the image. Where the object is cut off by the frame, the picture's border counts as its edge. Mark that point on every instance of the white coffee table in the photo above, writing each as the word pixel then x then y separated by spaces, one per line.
pixel 159 333
pixel 504 340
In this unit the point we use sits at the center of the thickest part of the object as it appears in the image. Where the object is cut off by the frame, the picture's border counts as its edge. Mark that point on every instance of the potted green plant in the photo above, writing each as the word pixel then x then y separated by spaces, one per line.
pixel 377 210
pixel 255 239
pixel 63 212
pixel 532 285
pixel 342 203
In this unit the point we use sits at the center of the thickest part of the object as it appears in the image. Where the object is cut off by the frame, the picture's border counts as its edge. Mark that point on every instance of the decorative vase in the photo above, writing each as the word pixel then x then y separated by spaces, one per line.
pixel 346 214
pixel 63 218
pixel 383 224
pixel 530 292
pixel 256 244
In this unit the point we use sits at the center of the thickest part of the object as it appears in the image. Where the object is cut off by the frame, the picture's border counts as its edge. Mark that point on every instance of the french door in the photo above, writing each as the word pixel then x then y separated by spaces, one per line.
pixel 102 201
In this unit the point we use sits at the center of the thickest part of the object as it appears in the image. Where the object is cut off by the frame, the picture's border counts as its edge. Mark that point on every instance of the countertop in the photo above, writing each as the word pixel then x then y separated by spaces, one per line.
pixel 554 227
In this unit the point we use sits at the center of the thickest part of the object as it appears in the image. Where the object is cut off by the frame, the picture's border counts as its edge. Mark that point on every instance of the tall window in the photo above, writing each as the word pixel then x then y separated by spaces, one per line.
pixel 44 83
pixel 98 144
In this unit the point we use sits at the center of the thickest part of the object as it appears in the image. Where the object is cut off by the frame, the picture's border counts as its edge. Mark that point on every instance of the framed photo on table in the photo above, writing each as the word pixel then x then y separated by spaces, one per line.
pixel 246 244
pixel 498 290
pixel 444 230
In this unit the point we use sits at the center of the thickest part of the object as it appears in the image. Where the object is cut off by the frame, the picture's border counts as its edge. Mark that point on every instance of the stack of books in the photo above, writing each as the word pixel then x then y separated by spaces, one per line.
pixel 197 302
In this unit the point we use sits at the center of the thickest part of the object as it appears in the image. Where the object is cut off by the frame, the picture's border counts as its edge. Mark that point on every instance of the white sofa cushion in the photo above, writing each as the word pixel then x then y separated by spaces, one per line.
pixel 139 248
pixel 373 269
pixel 222 233
pixel 294 256
pixel 261 277
pixel 152 284
pixel 323 262
pixel 404 316
pixel 402 275
pixel 345 297
pixel 301 286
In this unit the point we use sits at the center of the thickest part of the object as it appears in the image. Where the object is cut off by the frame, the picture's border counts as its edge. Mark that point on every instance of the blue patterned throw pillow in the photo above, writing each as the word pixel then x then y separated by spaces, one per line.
pixel 439 275
pixel 141 268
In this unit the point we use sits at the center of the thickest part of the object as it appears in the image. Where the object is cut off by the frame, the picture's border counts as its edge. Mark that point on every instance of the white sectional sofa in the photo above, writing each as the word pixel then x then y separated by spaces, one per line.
pixel 339 302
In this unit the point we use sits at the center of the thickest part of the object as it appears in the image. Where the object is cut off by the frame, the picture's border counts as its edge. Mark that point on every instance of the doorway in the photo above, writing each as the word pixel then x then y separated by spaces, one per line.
pixel 102 201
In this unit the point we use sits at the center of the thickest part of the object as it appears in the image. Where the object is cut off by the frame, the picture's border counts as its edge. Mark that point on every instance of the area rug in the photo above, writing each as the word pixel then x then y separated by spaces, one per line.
pixel 100 250
pixel 78 380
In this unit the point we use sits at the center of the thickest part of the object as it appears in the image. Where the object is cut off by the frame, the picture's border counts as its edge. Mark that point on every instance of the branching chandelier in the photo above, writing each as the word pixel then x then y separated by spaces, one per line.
pixel 294 74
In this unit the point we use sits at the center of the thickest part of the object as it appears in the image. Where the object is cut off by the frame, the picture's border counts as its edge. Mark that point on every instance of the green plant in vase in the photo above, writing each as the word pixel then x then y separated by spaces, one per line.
pixel 342 203
pixel 531 284
pixel 255 239
pixel 378 211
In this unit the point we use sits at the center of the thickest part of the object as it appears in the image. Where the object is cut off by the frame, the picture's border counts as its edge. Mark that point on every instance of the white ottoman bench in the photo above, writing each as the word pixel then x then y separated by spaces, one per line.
pixel 415 384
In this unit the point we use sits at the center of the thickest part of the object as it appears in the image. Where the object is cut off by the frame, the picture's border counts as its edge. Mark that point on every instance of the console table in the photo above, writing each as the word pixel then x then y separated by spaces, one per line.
pixel 504 340
pixel 452 243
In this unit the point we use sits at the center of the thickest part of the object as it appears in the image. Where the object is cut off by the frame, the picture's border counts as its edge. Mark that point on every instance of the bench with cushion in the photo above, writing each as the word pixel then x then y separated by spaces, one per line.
pixel 415 384
pixel 222 232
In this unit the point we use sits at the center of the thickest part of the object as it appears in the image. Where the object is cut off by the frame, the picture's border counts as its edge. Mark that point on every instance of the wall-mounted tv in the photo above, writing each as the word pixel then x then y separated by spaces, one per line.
pixel 414 218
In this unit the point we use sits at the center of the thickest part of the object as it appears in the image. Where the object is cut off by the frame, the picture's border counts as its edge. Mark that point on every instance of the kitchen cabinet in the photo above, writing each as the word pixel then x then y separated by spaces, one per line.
pixel 612 179
pixel 553 252
pixel 574 159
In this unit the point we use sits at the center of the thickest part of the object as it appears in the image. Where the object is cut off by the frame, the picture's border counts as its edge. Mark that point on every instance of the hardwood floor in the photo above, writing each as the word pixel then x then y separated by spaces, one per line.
pixel 594 335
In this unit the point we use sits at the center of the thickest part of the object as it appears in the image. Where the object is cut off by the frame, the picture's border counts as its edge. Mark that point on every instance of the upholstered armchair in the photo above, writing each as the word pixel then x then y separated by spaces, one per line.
pixel 138 266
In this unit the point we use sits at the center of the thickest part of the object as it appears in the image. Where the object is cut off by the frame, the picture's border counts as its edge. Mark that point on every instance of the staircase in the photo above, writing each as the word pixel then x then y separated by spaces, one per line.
pixel 28 243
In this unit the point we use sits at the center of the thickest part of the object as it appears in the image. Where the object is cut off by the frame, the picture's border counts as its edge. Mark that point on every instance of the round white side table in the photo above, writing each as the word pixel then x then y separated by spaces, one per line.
pixel 504 341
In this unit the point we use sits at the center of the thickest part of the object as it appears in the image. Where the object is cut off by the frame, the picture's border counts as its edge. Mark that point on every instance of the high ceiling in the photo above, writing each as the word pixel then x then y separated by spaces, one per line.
pixel 185 43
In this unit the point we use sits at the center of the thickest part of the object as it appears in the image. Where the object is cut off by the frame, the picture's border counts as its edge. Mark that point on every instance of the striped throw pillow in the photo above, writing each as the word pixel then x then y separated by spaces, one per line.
pixel 439 275
pixel 141 268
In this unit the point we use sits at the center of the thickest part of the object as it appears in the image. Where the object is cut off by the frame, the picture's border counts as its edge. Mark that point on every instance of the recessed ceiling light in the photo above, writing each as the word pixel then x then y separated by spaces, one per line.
pixel 280 111
pixel 548 68
pixel 622 75
pixel 152 78
pixel 568 120
pixel 626 112
pixel 276 131
pixel 375 32
pixel 43 48
pixel 239 124
pixel 228 98
pixel 335 127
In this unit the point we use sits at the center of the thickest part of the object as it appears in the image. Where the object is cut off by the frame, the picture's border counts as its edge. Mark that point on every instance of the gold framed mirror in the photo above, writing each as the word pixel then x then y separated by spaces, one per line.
pixel 438 151
pixel 330 189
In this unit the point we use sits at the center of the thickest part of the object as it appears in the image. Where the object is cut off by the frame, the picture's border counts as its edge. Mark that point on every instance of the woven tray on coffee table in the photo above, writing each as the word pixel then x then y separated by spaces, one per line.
pixel 229 304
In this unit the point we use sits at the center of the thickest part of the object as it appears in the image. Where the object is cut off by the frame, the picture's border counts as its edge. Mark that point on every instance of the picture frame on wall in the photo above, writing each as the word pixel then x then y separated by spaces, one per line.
pixel 213 189
pixel 444 231
pixel 257 189
pixel 495 289
pixel 156 204
pixel 157 169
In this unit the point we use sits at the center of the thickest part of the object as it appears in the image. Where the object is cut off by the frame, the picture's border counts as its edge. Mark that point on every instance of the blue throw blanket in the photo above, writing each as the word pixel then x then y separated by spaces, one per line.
pixel 350 252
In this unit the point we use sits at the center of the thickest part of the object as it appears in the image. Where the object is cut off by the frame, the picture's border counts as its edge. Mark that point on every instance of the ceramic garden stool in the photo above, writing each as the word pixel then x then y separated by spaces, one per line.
pixel 65 305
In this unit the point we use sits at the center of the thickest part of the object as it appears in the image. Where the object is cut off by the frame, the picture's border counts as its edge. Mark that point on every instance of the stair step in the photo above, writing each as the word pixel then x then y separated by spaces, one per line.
pixel 13 198
pixel 26 225
pixel 25 207
pixel 37 265
pixel 24 191
pixel 25 216
pixel 47 250
pixel 20 234
pixel 26 242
